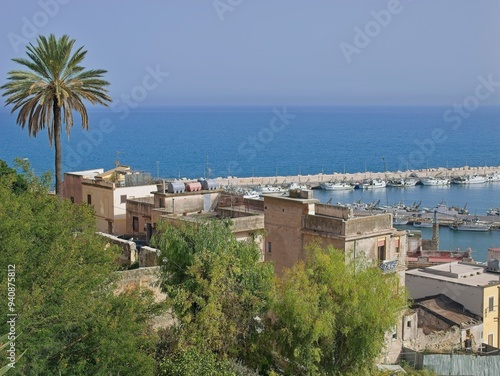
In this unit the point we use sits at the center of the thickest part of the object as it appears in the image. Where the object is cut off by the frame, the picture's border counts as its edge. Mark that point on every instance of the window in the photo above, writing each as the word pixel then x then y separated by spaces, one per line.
pixel 396 245
pixel 491 303
pixel 381 251
pixel 72 199
pixel 123 199
pixel 89 199
pixel 490 339
pixel 269 247
pixel 408 324
pixel 135 224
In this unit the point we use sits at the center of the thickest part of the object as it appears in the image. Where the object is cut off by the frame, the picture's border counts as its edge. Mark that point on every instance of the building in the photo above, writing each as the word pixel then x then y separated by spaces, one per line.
pixel 438 324
pixel 293 221
pixel 72 184
pixel 144 213
pixel 469 285
pixel 107 192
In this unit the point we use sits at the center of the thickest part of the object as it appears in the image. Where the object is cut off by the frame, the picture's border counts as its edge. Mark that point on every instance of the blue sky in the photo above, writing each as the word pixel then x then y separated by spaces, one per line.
pixel 322 52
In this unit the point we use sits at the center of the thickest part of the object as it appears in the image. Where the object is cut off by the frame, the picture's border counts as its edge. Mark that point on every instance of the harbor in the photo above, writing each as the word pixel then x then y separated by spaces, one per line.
pixel 315 180
pixel 412 206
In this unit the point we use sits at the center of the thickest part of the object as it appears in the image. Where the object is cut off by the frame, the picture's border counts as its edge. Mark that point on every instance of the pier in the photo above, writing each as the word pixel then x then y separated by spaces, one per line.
pixel 316 179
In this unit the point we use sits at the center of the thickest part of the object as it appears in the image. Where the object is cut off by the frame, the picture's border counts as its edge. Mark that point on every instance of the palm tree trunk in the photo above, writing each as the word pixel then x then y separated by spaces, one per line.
pixel 57 141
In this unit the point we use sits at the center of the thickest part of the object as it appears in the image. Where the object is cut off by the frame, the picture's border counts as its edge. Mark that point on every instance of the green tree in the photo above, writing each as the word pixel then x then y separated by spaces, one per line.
pixel 54 86
pixel 72 321
pixel 217 288
pixel 16 181
pixel 329 317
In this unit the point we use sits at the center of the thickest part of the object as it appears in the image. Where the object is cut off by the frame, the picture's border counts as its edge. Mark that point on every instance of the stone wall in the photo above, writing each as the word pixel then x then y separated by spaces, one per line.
pixel 146 278
pixel 129 251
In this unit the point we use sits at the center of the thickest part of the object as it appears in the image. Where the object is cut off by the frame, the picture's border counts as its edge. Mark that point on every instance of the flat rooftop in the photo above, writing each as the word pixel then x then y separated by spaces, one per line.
pixel 457 272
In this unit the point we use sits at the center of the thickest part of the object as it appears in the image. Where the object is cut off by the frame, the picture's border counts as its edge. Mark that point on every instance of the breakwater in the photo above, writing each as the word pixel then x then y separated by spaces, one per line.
pixel 315 179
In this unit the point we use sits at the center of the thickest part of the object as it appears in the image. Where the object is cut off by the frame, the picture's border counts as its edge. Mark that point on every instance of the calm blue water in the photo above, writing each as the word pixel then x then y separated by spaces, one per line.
pixel 266 141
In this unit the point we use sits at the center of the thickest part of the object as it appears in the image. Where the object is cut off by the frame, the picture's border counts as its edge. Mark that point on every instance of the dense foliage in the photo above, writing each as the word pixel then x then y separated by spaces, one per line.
pixel 322 317
pixel 330 317
pixel 69 320
pixel 217 288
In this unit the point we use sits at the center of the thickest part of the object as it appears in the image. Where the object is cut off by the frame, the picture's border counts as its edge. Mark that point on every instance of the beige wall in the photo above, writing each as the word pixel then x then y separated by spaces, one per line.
pixel 491 317
pixel 294 224
pixel 283 222
pixel 109 207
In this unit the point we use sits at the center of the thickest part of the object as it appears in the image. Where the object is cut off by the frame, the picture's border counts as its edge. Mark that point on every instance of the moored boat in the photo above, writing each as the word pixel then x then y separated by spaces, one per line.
pixel 422 224
pixel 336 186
pixel 493 211
pixel 402 182
pixel 373 184
pixel 471 226
pixel 469 179
pixel 431 180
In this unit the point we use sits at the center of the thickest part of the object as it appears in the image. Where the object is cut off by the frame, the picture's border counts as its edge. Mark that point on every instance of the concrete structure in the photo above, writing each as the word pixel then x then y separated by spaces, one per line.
pixel 296 220
pixel 144 213
pixel 72 184
pixel 108 192
pixel 468 284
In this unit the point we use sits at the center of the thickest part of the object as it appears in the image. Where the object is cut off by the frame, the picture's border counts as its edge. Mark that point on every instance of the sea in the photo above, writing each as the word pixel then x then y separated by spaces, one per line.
pixel 243 141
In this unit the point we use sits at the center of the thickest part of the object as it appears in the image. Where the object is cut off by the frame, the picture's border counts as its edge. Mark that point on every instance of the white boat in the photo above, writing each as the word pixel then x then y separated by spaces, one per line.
pixel 336 186
pixel 470 179
pixel 422 224
pixel 399 220
pixel 442 208
pixel 297 186
pixel 431 180
pixel 374 183
pixel 495 177
pixel 402 182
pixel 471 226
pixel 493 211
pixel 252 195
pixel 264 189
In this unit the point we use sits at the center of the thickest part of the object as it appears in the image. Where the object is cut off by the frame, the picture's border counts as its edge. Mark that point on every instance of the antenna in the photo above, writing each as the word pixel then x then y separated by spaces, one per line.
pixel 117 162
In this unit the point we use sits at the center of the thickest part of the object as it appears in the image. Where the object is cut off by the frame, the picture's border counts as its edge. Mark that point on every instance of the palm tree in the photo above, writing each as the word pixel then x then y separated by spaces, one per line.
pixel 54 85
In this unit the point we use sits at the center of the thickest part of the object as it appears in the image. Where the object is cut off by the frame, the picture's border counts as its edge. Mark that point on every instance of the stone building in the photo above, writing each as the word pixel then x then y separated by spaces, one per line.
pixel 293 221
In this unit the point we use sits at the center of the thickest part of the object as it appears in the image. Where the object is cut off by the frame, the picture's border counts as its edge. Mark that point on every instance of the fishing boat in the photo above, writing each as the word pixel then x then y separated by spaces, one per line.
pixel 442 208
pixel 336 186
pixel 422 224
pixel 432 180
pixel 495 177
pixel 469 179
pixel 265 189
pixel 493 211
pixel 399 220
pixel 402 182
pixel 374 183
pixel 294 185
pixel 473 225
